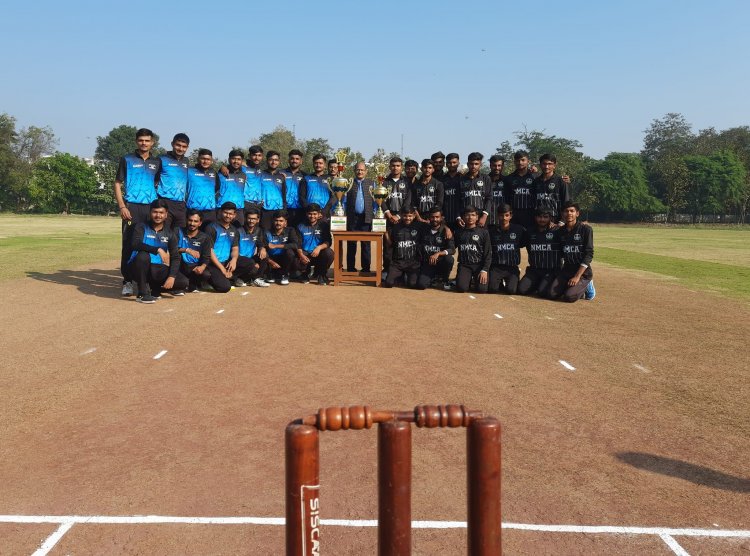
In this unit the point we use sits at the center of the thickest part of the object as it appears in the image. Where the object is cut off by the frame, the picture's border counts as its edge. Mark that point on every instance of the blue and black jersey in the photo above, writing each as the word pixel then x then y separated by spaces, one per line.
pixel 173 177
pixel 287 236
pixel 251 242
pixel 223 240
pixel 314 189
pixel 201 189
pixel 139 177
pixel 253 185
pixel 293 180
pixel 146 238
pixel 199 242
pixel 474 247
pixel 274 191
pixel 507 244
pixel 312 236
pixel 231 189
pixel 405 241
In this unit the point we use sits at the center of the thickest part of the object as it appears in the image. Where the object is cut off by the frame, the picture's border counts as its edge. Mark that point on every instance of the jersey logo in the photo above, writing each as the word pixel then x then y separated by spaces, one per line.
pixel 414 232
pixel 152 166
pixel 480 183
pixel 577 237
pixel 529 181
pixel 550 235
pixel 551 186
pixel 513 236
pixel 438 239
pixel 431 189
pixel 475 237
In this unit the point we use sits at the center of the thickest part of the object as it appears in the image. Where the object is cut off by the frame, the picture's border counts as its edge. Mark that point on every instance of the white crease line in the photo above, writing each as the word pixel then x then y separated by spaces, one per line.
pixel 498 316
pixel 220 311
pixel 674 545
pixel 641 368
pixel 239 520
pixel 90 350
pixel 168 310
pixel 161 354
pixel 549 318
pixel 53 539
pixel 472 297
pixel 511 298
pixel 245 293
pixel 567 365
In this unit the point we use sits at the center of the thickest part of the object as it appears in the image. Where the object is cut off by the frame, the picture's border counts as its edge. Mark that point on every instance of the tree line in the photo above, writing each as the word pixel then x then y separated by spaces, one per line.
pixel 678 173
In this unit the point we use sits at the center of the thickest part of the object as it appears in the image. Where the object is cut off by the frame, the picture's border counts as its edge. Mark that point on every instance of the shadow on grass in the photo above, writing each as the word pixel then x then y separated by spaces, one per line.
pixel 697 474
pixel 101 283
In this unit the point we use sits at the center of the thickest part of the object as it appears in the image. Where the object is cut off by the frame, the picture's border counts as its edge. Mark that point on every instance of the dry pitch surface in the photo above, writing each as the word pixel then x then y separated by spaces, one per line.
pixel 650 429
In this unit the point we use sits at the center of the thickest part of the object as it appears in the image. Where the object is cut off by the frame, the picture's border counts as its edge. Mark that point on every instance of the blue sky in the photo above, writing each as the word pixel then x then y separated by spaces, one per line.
pixel 451 76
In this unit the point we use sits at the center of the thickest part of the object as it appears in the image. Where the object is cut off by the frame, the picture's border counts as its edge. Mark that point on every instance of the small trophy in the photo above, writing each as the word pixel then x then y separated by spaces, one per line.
pixel 339 187
pixel 380 194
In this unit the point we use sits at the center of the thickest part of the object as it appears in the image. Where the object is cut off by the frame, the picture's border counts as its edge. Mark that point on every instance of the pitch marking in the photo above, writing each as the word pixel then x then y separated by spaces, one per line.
pixel 498 316
pixel 53 539
pixel 245 293
pixel 511 298
pixel 641 368
pixel 567 365
pixel 220 311
pixel 90 350
pixel 549 318
pixel 472 297
pixel 673 544
pixel 161 354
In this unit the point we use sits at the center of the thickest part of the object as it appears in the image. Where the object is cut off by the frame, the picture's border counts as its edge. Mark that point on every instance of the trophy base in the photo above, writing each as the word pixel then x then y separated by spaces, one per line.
pixel 378 224
pixel 338 223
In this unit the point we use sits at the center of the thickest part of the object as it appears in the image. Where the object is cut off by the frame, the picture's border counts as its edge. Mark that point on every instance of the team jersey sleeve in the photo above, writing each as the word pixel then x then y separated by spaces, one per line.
pixel 294 240
pixel 588 246
pixel 236 240
pixel 122 171
pixel 487 250
pixel 439 195
pixel 138 245
pixel 450 245
pixel 205 257
pixel 303 193
pixel 174 256
pixel 325 234
pixel 157 174
pixel 487 194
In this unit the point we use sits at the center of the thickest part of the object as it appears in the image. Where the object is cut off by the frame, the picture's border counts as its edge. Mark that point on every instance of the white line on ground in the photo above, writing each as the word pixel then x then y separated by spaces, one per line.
pixel 641 368
pixel 472 297
pixel 53 539
pixel 90 350
pixel 240 520
pixel 567 365
pixel 511 298
pixel 549 318
pixel 498 316
pixel 245 293
pixel 674 545
pixel 220 311
pixel 161 354
pixel 168 310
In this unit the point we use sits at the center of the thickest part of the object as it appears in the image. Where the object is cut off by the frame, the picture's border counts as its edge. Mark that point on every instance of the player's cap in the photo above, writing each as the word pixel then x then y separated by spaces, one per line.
pixel 229 205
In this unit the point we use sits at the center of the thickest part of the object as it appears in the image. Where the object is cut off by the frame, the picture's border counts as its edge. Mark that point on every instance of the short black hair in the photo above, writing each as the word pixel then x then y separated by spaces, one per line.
pixel 181 137
pixel 470 208
pixel 503 208
pixel 497 158
pixel 548 157
pixel 281 213
pixel 407 210
pixel 236 152
pixel 518 155
pixel 395 159
pixel 313 207
pixel 568 204
pixel 229 205
pixel 296 152
pixel 475 156
pixel 193 212
pixel 437 155
pixel 410 163
pixel 269 154
pixel 203 152
pixel 144 132
pixel 252 209
pixel 319 157
pixel 428 161
pixel 159 204
pixel 255 149
pixel 451 156
pixel 436 209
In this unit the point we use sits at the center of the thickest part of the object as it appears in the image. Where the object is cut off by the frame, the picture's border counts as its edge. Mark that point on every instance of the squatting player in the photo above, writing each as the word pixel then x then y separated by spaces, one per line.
pixel 437 251
pixel 543 248
pixel 314 249
pixel 474 253
pixel 403 241
pixel 577 245
pixel 194 247
pixel 507 240
pixel 225 248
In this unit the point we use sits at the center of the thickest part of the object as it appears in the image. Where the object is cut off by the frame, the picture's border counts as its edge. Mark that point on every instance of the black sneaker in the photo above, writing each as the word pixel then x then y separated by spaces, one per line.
pixel 322 281
pixel 178 293
pixel 148 298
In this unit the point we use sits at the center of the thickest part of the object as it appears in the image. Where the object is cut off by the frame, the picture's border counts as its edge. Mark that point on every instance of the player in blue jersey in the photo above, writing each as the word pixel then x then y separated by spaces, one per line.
pixel 194 247
pixel 274 189
pixel 314 249
pixel 253 184
pixel 252 262
pixel 154 261
pixel 137 174
pixel 225 248
pixel 293 174
pixel 314 187
pixel 282 243
pixel 232 186
pixel 173 180
pixel 201 187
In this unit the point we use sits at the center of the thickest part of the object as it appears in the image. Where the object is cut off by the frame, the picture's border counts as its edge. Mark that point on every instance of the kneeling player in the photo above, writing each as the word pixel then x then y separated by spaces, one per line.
pixel 507 240
pixel 403 241
pixel 314 249
pixel 195 251
pixel 252 261
pixel 543 248
pixel 577 243
pixel 282 248
pixel 154 262
pixel 225 249
pixel 437 251
pixel 474 253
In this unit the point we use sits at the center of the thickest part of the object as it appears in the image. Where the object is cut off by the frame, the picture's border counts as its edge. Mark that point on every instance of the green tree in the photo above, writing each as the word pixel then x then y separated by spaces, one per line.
pixel 716 183
pixel 8 163
pixel 311 147
pixel 119 142
pixel 31 143
pixel 619 187
pixel 280 139
pixel 63 183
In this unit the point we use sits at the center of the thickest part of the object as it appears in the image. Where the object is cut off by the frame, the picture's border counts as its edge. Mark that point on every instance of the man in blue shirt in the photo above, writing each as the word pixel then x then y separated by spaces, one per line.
pixel 201 187
pixel 314 249
pixel 314 187
pixel 293 174
pixel 173 180
pixel 252 262
pixel 194 247
pixel 282 243
pixel 359 210
pixel 253 183
pixel 225 248
pixel 137 173
pixel 274 189
pixel 232 186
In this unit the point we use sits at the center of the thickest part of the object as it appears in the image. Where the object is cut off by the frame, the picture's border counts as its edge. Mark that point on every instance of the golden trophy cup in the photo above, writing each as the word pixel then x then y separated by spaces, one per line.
pixel 339 187
pixel 380 194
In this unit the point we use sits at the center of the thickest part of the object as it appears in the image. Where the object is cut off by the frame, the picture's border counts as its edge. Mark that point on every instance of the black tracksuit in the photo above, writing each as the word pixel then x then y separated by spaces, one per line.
pixel 474 256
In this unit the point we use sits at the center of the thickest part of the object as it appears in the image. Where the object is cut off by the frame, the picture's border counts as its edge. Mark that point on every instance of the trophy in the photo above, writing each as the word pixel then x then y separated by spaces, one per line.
pixel 380 194
pixel 339 187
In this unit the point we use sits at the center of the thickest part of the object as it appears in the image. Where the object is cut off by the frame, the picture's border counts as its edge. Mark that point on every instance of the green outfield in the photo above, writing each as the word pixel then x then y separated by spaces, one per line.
pixel 712 258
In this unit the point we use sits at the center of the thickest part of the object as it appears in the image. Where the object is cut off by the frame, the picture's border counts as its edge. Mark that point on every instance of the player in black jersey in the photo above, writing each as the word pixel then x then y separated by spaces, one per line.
pixel 314 249
pixel 427 192
pixel 497 189
pixel 282 244
pixel 195 251
pixel 437 251
pixel 224 248
pixel 474 253
pixel 410 172
pixel 475 189
pixel 403 241
pixel 543 248
pixel 550 189
pixel 577 244
pixel 451 183
pixel 507 240
pixel 438 162
pixel 252 262
pixel 519 187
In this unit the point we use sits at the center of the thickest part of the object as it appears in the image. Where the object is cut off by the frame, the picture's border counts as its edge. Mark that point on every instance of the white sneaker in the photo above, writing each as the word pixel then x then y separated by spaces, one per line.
pixel 240 283
pixel 128 289
pixel 284 280
pixel 259 282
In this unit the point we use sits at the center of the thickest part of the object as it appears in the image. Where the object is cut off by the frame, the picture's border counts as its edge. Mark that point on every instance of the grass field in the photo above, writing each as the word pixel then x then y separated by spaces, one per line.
pixel 715 259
